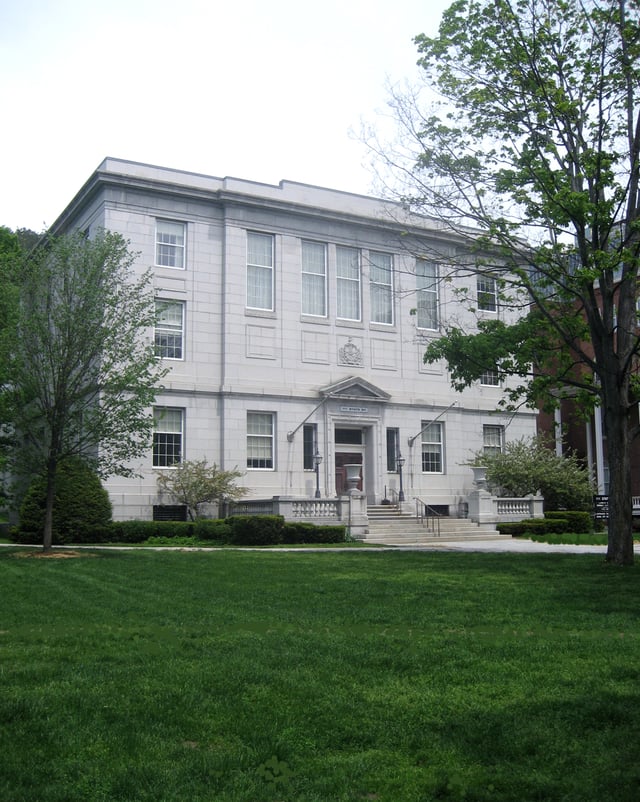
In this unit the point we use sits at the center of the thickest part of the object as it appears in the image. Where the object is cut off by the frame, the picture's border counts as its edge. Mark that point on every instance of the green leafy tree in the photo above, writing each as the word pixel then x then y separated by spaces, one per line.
pixel 530 465
pixel 11 254
pixel 528 152
pixel 194 483
pixel 83 374
pixel 81 512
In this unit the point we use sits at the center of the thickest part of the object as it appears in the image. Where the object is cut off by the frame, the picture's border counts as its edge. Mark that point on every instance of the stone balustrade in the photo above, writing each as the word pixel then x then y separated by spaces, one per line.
pixel 349 510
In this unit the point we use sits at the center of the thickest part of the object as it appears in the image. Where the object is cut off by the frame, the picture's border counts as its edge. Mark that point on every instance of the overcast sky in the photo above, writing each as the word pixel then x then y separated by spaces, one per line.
pixel 258 89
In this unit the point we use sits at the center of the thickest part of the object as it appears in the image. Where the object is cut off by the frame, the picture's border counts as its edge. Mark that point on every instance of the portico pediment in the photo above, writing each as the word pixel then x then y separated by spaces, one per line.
pixel 354 388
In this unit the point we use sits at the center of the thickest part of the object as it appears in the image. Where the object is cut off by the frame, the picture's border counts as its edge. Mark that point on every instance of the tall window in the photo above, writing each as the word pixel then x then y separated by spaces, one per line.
pixel 169 331
pixel 170 240
pixel 167 436
pixel 492 439
pixel 259 271
pixel 490 378
pixel 487 294
pixel 427 295
pixel 309 445
pixel 431 447
pixel 381 287
pixel 260 426
pixel 393 449
pixel 348 283
pixel 314 279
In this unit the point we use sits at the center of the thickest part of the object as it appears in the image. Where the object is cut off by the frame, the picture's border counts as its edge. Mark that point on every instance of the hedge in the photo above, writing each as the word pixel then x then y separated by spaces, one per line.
pixel 557 522
pixel 579 521
pixel 240 530
pixel 538 526
pixel 301 532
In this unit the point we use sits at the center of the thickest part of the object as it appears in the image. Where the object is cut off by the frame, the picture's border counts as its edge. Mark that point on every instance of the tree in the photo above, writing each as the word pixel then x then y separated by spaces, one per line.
pixel 194 483
pixel 531 155
pixel 528 466
pixel 82 509
pixel 83 373
pixel 10 259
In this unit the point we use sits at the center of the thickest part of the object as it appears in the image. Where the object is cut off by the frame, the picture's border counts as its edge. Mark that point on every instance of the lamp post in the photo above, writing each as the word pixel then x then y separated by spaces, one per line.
pixel 400 463
pixel 317 459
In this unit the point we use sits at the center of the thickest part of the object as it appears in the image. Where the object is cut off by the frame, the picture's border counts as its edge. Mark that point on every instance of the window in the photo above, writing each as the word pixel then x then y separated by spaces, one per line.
pixel 348 437
pixel 169 331
pixel 381 287
pixel 393 449
pixel 170 243
pixel 348 283
pixel 492 439
pixel 487 294
pixel 309 445
pixel 260 271
pixel 314 279
pixel 490 378
pixel 167 436
pixel 427 295
pixel 431 447
pixel 260 440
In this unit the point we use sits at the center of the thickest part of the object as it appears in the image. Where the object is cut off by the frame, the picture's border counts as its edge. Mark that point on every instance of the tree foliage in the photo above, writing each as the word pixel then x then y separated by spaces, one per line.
pixel 530 155
pixel 13 247
pixel 83 374
pixel 81 507
pixel 528 465
pixel 194 483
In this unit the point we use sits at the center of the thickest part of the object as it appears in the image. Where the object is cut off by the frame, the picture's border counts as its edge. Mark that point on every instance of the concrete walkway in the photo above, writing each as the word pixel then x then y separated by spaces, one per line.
pixel 513 545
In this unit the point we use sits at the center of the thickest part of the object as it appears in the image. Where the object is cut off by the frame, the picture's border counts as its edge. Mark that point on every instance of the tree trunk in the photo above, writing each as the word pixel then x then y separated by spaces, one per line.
pixel 620 534
pixel 47 540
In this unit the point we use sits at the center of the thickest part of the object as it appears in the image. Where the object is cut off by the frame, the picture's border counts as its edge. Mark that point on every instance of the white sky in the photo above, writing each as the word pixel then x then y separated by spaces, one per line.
pixel 258 89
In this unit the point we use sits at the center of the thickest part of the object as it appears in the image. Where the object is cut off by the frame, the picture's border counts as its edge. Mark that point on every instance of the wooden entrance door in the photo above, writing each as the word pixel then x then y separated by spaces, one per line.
pixel 342 459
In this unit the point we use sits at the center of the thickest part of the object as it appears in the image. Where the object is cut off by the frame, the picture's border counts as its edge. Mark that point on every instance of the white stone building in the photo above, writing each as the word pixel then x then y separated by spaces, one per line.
pixel 286 319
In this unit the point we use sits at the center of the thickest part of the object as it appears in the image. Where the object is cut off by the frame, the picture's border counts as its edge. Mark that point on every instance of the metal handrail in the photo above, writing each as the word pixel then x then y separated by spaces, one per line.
pixel 395 500
pixel 427 515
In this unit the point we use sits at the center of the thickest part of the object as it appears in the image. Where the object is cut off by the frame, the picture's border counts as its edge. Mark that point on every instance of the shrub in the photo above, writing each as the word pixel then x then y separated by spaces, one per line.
pixel 141 531
pixel 81 512
pixel 526 466
pixel 532 526
pixel 214 529
pixel 256 530
pixel 303 532
pixel 330 533
pixel 578 521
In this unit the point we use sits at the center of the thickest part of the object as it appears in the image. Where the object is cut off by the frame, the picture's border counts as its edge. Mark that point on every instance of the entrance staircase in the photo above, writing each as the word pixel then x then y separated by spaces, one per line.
pixel 390 526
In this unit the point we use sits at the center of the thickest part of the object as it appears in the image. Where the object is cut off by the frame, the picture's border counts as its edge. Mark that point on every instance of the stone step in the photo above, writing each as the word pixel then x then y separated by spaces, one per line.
pixel 416 540
pixel 390 526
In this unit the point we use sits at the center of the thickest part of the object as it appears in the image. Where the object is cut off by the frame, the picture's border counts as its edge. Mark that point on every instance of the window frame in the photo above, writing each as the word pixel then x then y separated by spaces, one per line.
pixel 490 449
pixel 348 281
pixel 253 268
pixel 487 299
pixel 427 445
pixel 176 247
pixel 308 275
pixel 159 448
pixel 309 446
pixel 381 289
pixel 427 293
pixel 254 437
pixel 393 448
pixel 166 329
pixel 486 375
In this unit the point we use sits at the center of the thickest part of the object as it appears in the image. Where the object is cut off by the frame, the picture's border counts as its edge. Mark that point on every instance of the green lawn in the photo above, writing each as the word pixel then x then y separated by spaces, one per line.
pixel 267 677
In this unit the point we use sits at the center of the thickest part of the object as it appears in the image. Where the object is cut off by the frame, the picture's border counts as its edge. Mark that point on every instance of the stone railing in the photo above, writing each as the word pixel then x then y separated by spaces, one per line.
pixel 349 510
pixel 487 509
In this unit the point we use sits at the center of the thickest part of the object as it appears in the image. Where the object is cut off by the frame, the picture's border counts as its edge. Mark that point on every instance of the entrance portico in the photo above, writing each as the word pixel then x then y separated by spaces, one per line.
pixel 354 433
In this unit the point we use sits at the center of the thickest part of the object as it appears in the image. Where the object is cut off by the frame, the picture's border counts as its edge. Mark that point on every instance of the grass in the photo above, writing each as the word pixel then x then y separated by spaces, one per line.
pixel 266 677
